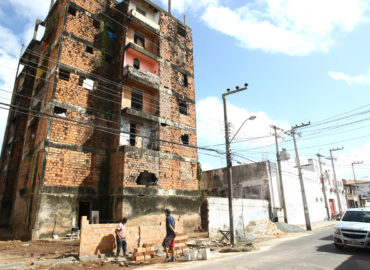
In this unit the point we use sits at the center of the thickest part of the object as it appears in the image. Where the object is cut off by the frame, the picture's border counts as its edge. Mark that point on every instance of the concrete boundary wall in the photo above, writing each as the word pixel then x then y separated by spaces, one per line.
pixel 100 238
pixel 245 210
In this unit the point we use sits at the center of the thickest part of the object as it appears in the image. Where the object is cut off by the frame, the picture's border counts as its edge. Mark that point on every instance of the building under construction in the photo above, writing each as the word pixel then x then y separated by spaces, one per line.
pixel 102 118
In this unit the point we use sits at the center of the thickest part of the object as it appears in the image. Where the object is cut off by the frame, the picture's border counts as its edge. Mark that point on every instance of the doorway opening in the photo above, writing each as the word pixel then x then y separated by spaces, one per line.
pixel 83 210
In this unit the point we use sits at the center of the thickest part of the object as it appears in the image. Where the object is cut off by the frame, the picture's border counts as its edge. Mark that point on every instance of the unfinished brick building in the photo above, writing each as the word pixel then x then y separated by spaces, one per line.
pixel 109 123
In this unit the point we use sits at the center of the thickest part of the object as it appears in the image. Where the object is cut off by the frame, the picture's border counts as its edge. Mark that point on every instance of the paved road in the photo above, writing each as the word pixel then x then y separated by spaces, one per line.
pixel 314 251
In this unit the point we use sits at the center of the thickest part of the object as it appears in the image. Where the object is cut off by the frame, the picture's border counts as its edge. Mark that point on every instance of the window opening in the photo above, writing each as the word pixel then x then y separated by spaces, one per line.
pixel 89 49
pixel 181 30
pixel 185 139
pixel 108 58
pixel 139 10
pixel 136 63
pixel 59 111
pixel 72 11
pixel 137 100
pixel 96 24
pixel 132 134
pixel 139 39
pixel 32 132
pixel 64 74
pixel 111 33
pixel 81 80
pixel 183 108
pixel 186 82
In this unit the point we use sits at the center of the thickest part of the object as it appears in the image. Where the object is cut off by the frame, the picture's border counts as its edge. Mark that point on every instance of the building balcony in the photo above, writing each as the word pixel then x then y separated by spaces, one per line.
pixel 135 15
pixel 141 114
pixel 130 45
pixel 139 134
pixel 141 76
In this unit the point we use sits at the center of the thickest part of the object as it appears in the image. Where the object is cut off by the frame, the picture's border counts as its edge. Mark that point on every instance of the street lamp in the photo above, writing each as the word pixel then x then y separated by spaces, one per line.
pixel 253 117
pixel 228 161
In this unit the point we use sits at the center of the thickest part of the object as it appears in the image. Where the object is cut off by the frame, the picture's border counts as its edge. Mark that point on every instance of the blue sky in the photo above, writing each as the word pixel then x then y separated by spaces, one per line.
pixel 304 61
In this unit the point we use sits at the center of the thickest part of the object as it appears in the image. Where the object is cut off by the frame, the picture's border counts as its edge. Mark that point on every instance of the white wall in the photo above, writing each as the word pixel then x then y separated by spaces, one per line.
pixel 313 187
pixel 150 14
pixel 245 210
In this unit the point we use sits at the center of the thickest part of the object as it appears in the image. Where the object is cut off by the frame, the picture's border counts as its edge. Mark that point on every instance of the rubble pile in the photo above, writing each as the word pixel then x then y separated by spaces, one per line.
pixel 263 229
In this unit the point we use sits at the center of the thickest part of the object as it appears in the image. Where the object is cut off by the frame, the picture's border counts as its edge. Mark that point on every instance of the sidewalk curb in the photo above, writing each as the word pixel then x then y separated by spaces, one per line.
pixel 13 265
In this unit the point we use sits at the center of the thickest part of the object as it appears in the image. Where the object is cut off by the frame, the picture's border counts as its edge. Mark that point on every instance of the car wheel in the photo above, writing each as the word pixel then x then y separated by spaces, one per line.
pixel 338 246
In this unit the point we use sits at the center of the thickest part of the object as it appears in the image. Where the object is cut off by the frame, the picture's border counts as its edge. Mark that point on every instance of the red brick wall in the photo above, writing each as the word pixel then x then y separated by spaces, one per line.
pixel 100 238
pixel 94 6
pixel 132 164
pixel 173 174
pixel 169 105
pixel 74 23
pixel 181 175
pixel 72 168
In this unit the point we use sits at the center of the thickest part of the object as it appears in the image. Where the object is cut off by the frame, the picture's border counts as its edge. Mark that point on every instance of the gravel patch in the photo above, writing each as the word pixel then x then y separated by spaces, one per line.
pixel 289 228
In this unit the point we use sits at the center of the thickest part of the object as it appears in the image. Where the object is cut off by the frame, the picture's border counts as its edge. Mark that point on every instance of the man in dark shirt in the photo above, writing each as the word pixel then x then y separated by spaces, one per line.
pixel 169 241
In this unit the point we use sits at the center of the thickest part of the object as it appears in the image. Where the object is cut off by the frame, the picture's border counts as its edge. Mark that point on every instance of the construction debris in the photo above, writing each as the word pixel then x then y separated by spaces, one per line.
pixel 263 229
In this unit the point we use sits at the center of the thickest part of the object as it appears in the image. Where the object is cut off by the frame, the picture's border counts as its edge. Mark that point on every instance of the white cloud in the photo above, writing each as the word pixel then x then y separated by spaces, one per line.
pixel 353 155
pixel 9 41
pixel 349 79
pixel 30 9
pixel 193 5
pixel 287 26
pixel 210 132
pixel 207 166
pixel 210 124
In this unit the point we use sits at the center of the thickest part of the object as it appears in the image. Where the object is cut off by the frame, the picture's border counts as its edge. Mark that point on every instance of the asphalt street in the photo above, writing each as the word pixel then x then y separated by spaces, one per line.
pixel 313 251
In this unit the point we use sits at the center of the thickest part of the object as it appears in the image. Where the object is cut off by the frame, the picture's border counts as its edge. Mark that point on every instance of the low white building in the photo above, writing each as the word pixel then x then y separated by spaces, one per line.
pixel 314 192
pixel 258 184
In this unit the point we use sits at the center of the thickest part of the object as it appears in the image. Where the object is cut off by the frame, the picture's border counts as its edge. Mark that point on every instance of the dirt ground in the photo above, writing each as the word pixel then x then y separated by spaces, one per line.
pixel 15 251
pixel 107 265
pixel 18 251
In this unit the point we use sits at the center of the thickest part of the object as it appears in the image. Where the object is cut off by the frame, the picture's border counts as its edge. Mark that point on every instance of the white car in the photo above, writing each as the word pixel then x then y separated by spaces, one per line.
pixel 353 229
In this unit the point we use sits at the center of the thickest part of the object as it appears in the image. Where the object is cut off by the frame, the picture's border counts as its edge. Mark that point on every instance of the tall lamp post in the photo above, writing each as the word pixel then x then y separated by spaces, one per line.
pixel 228 161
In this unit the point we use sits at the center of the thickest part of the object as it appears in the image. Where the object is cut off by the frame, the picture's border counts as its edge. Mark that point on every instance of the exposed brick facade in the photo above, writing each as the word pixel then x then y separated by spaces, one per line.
pixel 112 100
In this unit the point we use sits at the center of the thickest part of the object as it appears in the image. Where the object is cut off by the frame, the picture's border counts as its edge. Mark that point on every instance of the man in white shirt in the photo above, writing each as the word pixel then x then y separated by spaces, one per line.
pixel 121 237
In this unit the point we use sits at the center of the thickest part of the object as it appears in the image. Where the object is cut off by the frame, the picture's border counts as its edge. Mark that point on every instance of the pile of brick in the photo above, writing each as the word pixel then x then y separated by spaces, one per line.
pixel 147 251
pixel 144 253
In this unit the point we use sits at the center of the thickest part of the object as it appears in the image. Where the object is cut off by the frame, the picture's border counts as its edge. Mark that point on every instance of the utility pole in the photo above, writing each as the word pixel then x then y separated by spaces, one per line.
pixel 354 178
pixel 282 196
pixel 304 199
pixel 335 178
pixel 323 187
pixel 229 163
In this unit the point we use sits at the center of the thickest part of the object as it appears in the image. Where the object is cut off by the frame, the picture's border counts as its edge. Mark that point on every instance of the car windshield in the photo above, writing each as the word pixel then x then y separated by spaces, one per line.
pixel 357 216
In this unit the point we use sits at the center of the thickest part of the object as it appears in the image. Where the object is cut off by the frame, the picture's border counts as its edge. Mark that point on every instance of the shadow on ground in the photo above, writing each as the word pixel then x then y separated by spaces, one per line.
pixel 327 238
pixel 359 258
